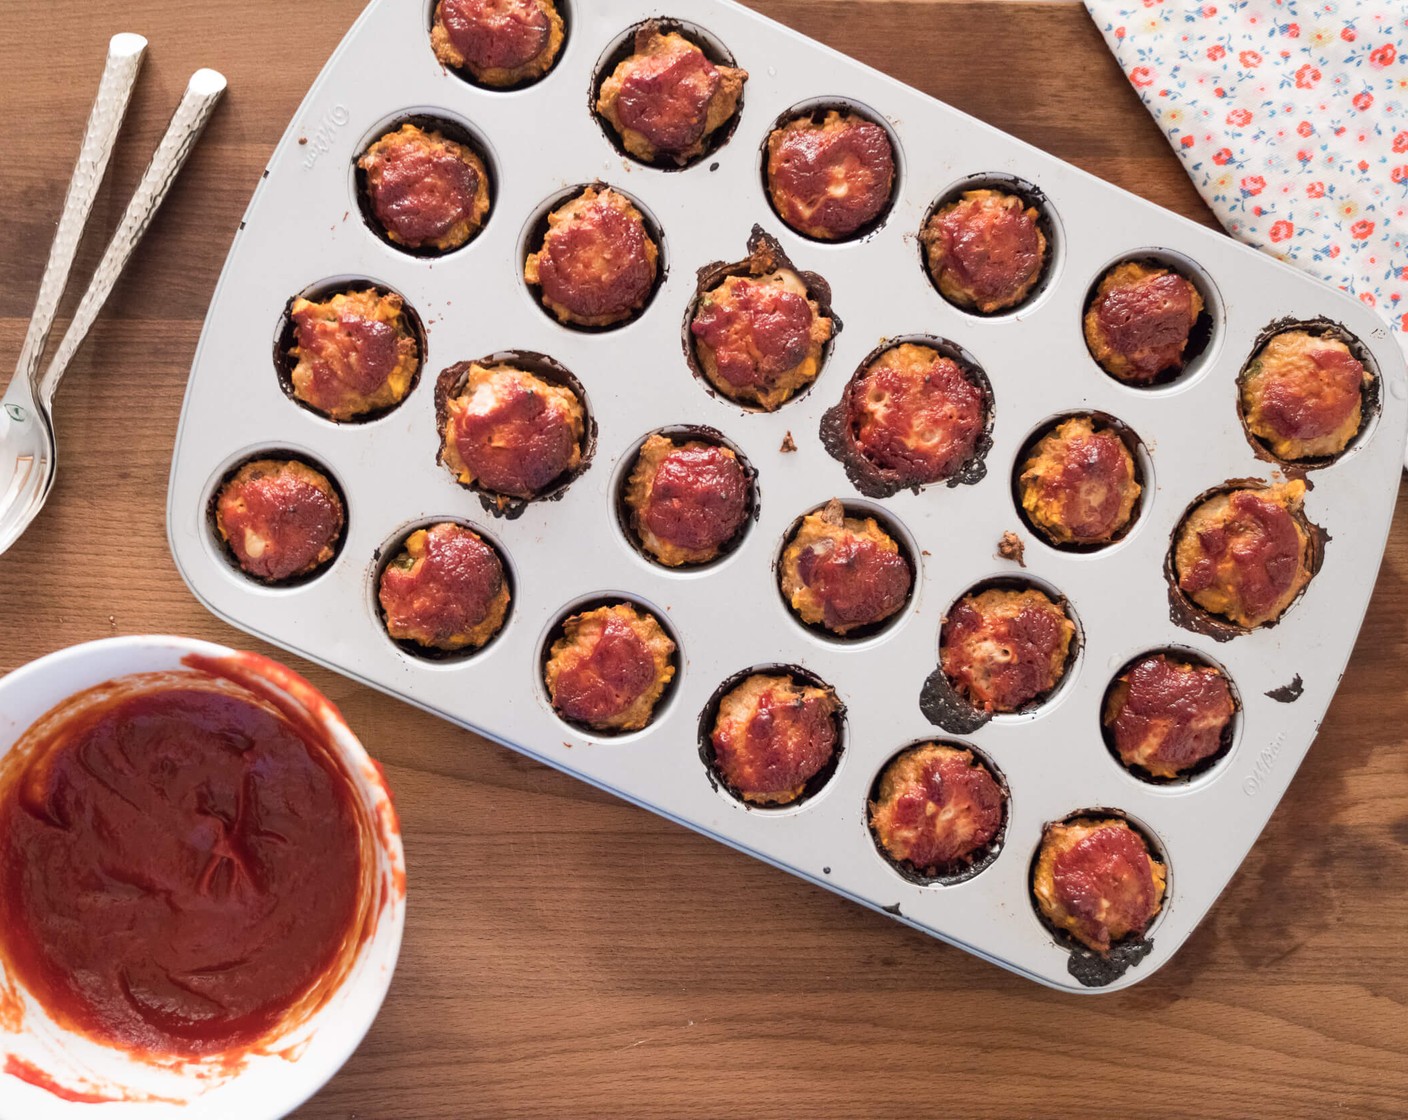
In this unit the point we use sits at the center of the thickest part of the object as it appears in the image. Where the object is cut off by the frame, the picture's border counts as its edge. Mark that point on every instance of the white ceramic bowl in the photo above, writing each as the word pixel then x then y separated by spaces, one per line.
pixel 285 1071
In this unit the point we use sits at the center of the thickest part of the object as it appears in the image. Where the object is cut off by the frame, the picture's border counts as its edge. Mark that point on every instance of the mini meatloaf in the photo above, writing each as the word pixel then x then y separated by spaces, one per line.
pixel 610 668
pixel 1303 395
pixel 986 250
pixel 937 808
pixel 509 432
pixel 1138 324
pixel 1245 554
pixel 499 42
pixel 425 191
pixel 759 339
pixel 1003 650
pixel 687 500
pixel 445 590
pixel 1096 880
pixel 914 415
pixel 773 735
pixel 1079 485
pixel 597 264
pixel 1166 715
pixel 281 518
pixel 354 353
pixel 842 572
pixel 667 98
pixel 829 179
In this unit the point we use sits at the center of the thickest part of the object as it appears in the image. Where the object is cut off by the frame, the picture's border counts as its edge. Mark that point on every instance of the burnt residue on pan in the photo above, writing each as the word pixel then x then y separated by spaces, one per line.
pixel 945 707
pixel 285 339
pixel 1186 614
pixel 1371 397
pixel 874 481
pixel 1096 970
pixel 1090 968
pixel 451 382
pixel 800 676
pixel 941 705
pixel 960 871
pixel 1288 693
pixel 765 255
pixel 678 434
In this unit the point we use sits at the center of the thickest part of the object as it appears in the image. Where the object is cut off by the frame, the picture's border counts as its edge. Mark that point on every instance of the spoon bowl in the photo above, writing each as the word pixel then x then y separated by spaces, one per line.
pixel 28 457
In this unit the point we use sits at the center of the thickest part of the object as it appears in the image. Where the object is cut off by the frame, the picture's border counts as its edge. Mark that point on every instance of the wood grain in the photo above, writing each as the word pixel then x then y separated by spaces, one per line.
pixel 567 955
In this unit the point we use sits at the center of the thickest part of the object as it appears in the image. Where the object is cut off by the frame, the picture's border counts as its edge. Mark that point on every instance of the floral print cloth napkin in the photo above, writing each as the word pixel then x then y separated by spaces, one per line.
pixel 1291 118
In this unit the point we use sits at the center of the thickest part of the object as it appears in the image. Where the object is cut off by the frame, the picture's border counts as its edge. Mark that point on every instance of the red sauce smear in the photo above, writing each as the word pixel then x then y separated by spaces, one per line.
pixel 421 192
pixel 933 424
pixel 605 682
pixel 665 96
pixel 595 262
pixel 991 247
pixel 1308 404
pixel 496 34
pixel 449 591
pixel 698 498
pixel 180 867
pixel 969 793
pixel 805 163
pixel 857 581
pixel 520 445
pixel 1109 866
pixel 1020 672
pixel 756 332
pixel 27 1071
pixel 1148 323
pixel 1255 553
pixel 1181 711
pixel 786 742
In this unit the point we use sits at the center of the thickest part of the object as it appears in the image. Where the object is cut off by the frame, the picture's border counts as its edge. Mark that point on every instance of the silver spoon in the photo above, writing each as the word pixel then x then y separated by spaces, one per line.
pixel 28 453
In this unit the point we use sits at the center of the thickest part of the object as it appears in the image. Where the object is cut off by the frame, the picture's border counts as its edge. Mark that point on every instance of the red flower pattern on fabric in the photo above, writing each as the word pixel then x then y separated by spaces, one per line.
pixel 1308 109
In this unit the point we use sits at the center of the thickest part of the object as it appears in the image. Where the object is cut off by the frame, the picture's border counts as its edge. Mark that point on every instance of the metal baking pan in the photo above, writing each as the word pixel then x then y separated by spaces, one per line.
pixel 304 228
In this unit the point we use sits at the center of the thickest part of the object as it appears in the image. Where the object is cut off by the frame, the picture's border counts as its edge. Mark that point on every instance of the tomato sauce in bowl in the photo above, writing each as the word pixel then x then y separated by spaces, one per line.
pixel 200 874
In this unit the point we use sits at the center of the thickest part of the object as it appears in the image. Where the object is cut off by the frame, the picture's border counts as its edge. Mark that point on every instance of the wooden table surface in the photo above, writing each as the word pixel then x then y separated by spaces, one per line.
pixel 569 955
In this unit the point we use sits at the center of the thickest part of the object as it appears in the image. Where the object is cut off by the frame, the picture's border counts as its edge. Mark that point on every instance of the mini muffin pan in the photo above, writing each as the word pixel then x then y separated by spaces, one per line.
pixel 304 230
